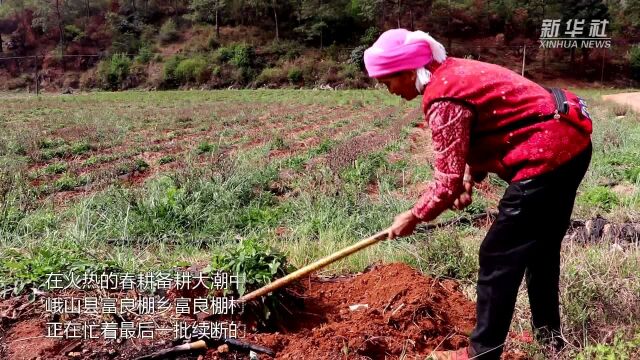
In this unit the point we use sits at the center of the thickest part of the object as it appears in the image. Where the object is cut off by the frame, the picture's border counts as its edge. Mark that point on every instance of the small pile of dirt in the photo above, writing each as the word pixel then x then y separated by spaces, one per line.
pixel 400 312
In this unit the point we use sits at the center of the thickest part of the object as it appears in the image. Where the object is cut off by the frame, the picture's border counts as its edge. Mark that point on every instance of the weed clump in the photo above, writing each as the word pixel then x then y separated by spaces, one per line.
pixel 600 197
pixel 258 265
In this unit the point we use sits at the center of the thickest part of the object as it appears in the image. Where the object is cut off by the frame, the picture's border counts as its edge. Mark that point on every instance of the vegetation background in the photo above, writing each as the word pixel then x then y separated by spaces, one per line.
pixel 163 44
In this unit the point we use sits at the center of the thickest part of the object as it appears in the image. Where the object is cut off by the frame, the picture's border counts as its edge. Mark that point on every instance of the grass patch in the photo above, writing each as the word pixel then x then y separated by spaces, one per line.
pixel 56 168
pixel 599 197
pixel 204 147
pixel 21 270
pixel 166 159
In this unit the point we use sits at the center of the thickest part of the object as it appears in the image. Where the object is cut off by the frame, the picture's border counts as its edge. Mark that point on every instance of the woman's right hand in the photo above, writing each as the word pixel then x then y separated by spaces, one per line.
pixel 465 198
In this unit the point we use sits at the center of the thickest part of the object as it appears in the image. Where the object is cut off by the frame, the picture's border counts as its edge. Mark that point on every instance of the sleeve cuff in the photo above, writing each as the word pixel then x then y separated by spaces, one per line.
pixel 417 214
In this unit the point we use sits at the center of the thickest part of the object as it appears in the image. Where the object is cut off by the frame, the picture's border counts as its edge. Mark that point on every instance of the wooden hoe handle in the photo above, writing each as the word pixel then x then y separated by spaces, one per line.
pixel 302 272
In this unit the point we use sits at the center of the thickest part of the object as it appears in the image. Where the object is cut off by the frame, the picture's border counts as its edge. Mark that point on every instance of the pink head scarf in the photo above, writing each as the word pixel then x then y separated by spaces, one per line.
pixel 400 49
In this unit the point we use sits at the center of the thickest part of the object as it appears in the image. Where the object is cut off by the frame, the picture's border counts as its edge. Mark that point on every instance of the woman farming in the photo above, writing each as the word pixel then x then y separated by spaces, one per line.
pixel 485 118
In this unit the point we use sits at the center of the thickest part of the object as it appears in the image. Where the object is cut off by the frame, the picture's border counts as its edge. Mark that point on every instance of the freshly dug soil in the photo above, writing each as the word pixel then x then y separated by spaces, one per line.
pixel 399 313
pixel 406 314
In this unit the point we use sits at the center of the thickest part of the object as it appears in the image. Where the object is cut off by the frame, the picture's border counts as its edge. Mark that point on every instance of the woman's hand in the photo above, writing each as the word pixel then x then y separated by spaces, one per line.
pixel 403 225
pixel 465 198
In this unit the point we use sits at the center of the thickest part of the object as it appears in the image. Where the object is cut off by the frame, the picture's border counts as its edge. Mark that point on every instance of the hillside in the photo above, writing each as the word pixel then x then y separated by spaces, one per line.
pixel 164 44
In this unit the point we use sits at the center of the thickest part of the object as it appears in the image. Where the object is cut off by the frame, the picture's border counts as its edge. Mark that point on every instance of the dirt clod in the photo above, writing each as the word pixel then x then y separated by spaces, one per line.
pixel 408 314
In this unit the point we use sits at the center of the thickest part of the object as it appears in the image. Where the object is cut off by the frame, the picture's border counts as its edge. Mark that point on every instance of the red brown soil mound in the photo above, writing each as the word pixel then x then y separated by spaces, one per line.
pixel 408 314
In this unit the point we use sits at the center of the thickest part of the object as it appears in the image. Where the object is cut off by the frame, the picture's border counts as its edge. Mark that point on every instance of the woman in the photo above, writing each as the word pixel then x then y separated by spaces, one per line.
pixel 485 118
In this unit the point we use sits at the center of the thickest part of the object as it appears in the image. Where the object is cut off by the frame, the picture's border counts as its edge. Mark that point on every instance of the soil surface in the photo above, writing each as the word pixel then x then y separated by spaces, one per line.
pixel 631 99
pixel 388 312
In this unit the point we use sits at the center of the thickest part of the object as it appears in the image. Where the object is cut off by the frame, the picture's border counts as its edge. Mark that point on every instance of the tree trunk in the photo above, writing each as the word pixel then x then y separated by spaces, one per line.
pixel 322 27
pixel 449 26
pixel 1 51
pixel 411 15
pixel 61 30
pixel 87 14
pixel 275 18
pixel 217 22
pixel 573 57
pixel 383 17
pixel 585 56
pixel 399 12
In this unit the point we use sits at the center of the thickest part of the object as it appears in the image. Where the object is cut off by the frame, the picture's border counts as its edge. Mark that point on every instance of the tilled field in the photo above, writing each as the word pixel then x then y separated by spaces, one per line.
pixel 144 182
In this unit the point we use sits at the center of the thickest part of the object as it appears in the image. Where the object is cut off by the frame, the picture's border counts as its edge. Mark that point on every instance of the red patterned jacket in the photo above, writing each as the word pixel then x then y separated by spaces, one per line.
pixel 484 116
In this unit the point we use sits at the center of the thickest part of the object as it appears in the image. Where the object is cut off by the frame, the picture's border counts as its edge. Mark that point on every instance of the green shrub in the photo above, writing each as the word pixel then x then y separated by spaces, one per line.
pixel 633 174
pixel 370 36
pixel 288 50
pixel 324 147
pixel 243 55
pixel 238 63
pixel 618 349
pixel 166 159
pixel 350 71
pixel 204 147
pixel 168 32
pixel 145 55
pixel 56 168
pixel 114 71
pixel 224 53
pixel 58 149
pixel 59 152
pixel 80 148
pixel 364 169
pixel 21 270
pixel 257 263
pixel 213 43
pixel 448 256
pixel 278 143
pixel 272 75
pixel 295 75
pixel 169 78
pixel 68 182
pixel 50 143
pixel 124 168
pixel 140 165
pixel 192 70
pixel 600 197
pixel 73 33
pixel 357 56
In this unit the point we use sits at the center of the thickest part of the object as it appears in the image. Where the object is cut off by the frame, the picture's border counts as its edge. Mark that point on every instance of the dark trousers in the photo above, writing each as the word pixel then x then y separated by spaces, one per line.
pixel 533 218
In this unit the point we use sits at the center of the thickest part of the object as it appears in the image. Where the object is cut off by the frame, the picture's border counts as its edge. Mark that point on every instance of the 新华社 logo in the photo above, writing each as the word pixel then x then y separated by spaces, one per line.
pixel 574 33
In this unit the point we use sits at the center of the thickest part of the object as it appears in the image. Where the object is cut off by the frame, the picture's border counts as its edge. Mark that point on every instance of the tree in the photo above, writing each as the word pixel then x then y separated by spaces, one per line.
pixel 51 15
pixel 367 10
pixel 274 6
pixel 586 10
pixel 207 11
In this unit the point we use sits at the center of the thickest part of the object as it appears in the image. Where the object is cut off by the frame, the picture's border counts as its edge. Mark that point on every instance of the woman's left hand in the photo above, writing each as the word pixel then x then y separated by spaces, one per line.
pixel 403 225
pixel 465 198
